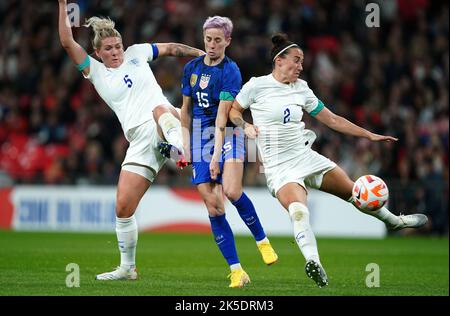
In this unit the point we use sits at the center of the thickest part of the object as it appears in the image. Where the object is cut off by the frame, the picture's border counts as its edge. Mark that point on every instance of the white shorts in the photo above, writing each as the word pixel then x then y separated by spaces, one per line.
pixel 306 168
pixel 143 156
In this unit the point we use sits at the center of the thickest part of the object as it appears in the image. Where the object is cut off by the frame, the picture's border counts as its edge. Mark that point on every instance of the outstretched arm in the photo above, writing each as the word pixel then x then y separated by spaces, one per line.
pixel 342 125
pixel 236 118
pixel 73 49
pixel 178 50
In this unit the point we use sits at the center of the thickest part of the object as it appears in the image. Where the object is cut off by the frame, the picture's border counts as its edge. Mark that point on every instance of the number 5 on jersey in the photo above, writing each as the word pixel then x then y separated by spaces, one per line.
pixel 128 81
pixel 202 99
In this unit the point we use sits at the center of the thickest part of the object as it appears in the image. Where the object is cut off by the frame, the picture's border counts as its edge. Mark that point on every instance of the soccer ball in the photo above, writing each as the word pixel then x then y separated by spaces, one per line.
pixel 370 193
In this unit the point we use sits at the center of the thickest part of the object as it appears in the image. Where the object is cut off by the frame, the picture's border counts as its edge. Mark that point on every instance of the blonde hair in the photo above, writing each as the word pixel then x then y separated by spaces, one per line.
pixel 103 28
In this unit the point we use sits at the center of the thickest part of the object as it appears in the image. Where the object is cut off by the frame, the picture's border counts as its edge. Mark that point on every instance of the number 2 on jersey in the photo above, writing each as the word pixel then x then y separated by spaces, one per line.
pixel 202 99
pixel 287 116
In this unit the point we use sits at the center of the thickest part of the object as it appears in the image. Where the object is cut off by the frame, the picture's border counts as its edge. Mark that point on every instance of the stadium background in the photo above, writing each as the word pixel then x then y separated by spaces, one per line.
pixel 59 144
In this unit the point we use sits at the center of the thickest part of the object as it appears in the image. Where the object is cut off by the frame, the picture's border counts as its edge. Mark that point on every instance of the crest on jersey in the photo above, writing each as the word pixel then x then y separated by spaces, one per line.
pixel 134 61
pixel 193 80
pixel 204 81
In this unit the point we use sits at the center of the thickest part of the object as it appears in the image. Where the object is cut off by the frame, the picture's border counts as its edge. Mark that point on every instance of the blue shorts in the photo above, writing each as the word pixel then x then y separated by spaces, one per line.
pixel 233 147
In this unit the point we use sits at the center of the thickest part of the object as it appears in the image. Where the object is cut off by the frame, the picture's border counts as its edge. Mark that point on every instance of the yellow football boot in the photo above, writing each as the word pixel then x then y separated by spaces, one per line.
pixel 238 278
pixel 268 254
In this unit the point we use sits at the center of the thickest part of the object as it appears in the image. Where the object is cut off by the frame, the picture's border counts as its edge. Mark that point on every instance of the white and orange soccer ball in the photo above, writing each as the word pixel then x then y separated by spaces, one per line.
pixel 370 193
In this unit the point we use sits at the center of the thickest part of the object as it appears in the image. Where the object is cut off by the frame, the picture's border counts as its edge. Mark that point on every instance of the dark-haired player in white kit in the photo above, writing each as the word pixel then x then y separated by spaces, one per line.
pixel 277 102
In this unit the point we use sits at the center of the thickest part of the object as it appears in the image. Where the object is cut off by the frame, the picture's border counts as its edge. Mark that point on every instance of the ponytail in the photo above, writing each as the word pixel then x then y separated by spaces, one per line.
pixel 103 28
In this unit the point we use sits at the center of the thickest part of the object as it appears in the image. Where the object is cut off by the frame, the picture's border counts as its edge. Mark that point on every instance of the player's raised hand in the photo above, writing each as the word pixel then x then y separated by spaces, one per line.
pixel 62 1
pixel 378 138
pixel 251 131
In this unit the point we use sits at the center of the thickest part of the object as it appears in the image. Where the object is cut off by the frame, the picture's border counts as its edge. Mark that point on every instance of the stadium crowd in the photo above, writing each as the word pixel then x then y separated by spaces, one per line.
pixel 392 79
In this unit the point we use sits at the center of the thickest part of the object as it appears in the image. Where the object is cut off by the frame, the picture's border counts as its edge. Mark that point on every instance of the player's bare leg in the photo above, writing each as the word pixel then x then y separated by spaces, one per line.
pixel 338 183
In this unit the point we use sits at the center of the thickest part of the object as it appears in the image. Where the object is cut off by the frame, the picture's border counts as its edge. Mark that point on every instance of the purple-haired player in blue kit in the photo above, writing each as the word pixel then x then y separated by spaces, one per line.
pixel 215 148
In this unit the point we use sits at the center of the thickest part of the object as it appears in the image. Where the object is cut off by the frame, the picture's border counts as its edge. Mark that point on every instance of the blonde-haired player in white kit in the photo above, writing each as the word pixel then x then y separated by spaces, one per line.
pixel 126 83
pixel 276 102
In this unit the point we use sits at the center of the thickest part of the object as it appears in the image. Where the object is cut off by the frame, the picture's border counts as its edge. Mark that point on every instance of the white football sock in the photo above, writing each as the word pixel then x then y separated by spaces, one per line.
pixel 171 128
pixel 127 236
pixel 303 233
pixel 235 266
pixel 383 214
pixel 262 240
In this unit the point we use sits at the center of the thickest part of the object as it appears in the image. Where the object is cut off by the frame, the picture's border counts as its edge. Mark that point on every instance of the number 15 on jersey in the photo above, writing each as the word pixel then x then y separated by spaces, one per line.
pixel 202 99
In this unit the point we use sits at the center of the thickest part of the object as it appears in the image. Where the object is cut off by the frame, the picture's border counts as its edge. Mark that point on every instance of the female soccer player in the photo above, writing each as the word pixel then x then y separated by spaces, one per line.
pixel 276 102
pixel 210 84
pixel 126 83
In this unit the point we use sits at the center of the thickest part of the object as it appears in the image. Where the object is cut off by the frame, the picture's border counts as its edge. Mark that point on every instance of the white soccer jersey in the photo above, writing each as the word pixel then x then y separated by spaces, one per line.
pixel 277 111
pixel 130 90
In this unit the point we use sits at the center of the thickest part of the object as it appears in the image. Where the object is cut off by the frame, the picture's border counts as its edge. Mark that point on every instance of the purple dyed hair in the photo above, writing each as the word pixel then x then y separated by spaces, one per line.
pixel 219 22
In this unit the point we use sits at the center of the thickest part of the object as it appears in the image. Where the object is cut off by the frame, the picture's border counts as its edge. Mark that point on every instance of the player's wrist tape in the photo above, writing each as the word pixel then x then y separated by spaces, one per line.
pixel 84 64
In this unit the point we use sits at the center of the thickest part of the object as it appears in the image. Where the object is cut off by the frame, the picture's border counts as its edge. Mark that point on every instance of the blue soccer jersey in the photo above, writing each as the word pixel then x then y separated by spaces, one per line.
pixel 207 86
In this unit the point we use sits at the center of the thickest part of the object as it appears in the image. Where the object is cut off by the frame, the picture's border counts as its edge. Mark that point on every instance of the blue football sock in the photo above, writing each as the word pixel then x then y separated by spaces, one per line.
pixel 223 235
pixel 248 214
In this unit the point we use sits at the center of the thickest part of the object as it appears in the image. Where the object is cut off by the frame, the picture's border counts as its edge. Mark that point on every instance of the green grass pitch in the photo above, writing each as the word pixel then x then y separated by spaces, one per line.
pixel 189 264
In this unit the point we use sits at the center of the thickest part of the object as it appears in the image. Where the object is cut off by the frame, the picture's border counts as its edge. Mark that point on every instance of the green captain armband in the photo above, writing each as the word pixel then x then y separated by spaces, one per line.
pixel 84 64
pixel 226 96
pixel 318 108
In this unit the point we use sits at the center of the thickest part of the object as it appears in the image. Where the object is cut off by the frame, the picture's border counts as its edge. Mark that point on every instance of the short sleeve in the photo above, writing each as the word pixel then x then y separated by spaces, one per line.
pixel 186 88
pixel 246 96
pixel 144 51
pixel 232 82
pixel 312 104
pixel 94 67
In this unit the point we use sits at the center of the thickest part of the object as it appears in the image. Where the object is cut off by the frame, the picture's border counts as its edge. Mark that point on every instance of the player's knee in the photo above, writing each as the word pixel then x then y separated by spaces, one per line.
pixel 214 210
pixel 298 212
pixel 212 205
pixel 232 193
pixel 123 208
pixel 159 110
